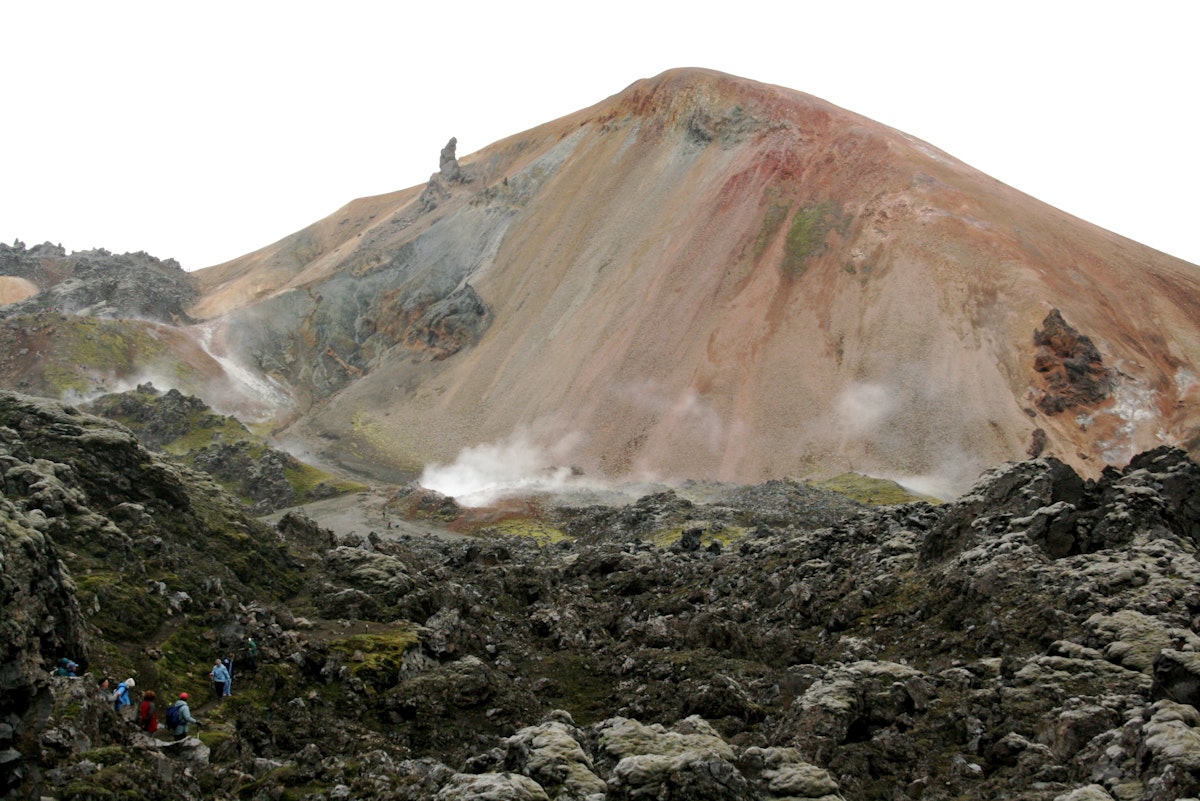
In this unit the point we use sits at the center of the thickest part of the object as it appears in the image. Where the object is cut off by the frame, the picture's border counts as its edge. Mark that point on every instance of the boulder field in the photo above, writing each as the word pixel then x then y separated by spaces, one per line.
pixel 1034 639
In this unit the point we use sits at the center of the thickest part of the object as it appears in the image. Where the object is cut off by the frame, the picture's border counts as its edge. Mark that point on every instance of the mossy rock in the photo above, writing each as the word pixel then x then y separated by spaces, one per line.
pixel 721 535
pixel 377 658
pixel 869 490
pixel 108 755
pixel 127 611
pixel 540 532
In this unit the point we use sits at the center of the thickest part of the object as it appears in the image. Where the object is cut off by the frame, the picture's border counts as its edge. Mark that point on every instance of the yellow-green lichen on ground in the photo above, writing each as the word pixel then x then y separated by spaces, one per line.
pixel 874 491
pixel 305 478
pixel 379 656
pixel 776 214
pixel 126 611
pixel 187 656
pixel 724 535
pixel 86 352
pixel 806 236
pixel 207 428
pixel 536 530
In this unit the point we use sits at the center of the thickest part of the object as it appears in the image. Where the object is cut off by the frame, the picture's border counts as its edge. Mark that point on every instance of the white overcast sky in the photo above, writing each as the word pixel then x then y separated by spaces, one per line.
pixel 202 131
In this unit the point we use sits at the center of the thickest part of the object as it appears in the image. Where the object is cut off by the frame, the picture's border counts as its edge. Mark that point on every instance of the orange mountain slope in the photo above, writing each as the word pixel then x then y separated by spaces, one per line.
pixel 708 277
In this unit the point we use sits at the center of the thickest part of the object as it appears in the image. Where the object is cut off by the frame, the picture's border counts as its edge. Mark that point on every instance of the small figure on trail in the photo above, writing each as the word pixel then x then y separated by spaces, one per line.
pixel 67 668
pixel 227 661
pixel 147 713
pixel 220 680
pixel 122 703
pixel 251 654
pixel 179 715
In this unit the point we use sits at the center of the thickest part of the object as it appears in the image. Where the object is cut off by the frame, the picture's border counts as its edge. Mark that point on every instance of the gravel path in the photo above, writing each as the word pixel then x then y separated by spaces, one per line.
pixel 364 512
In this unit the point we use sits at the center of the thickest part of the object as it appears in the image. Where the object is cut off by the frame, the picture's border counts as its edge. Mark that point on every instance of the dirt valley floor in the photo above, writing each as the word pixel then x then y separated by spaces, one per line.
pixel 361 513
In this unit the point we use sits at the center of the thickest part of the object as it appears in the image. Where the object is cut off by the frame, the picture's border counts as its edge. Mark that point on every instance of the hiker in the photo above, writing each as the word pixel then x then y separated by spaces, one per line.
pixel 220 680
pixel 147 714
pixel 122 703
pixel 178 716
pixel 251 654
pixel 228 663
pixel 67 668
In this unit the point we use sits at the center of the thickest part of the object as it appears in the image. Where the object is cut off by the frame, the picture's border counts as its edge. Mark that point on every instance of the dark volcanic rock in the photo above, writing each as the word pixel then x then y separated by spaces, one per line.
pixel 140 538
pixel 1035 639
pixel 41 620
pixel 158 418
pixel 220 445
pixel 99 283
pixel 1072 372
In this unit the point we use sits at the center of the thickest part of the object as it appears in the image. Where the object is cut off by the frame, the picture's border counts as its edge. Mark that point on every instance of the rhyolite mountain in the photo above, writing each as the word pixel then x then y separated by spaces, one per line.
pixel 703 276
pixel 699 277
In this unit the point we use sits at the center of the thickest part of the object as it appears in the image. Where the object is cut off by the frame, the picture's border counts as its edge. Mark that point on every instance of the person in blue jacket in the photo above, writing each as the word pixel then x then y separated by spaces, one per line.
pixel 182 716
pixel 122 703
pixel 220 680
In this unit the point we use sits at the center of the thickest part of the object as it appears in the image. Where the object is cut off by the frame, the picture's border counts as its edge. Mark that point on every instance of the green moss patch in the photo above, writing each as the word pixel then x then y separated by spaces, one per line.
pixel 539 531
pixel 377 658
pixel 187 656
pixel 875 491
pixel 722 535
pixel 205 429
pixel 806 236
pixel 772 220
pixel 311 483
pixel 87 351
pixel 127 611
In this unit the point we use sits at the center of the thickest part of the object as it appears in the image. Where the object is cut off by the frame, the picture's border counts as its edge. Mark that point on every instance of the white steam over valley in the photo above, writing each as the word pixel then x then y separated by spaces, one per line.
pixel 484 474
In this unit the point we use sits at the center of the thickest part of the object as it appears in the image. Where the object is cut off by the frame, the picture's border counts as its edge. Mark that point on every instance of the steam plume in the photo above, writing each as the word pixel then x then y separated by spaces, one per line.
pixel 485 473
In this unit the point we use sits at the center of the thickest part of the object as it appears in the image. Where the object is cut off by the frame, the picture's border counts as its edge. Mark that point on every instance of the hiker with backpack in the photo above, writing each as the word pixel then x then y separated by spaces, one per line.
pixel 147 714
pixel 178 716
pixel 122 703
pixel 67 668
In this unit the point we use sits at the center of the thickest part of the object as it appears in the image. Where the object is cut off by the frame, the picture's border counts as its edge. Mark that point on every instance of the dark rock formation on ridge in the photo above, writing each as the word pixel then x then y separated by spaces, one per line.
pixel 98 283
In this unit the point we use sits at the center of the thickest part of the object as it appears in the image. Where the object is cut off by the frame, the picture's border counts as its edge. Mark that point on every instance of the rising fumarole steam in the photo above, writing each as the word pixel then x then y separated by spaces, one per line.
pixel 485 473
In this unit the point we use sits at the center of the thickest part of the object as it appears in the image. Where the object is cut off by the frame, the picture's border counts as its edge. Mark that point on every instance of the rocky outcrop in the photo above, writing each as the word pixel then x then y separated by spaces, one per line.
pixel 448 168
pixel 41 623
pixel 101 543
pixel 440 327
pixel 158 418
pixel 1035 639
pixel 441 183
pixel 1069 366
pixel 98 283
pixel 220 445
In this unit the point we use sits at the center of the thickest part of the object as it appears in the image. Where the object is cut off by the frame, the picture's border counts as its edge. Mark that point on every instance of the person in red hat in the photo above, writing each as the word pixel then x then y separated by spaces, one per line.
pixel 179 716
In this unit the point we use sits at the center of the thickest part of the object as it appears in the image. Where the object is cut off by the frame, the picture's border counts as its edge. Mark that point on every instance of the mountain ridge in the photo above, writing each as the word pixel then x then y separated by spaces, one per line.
pixel 758 218
pixel 707 277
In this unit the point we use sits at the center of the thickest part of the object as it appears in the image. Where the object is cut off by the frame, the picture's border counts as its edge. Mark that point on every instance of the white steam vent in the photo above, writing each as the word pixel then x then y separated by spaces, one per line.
pixel 484 474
